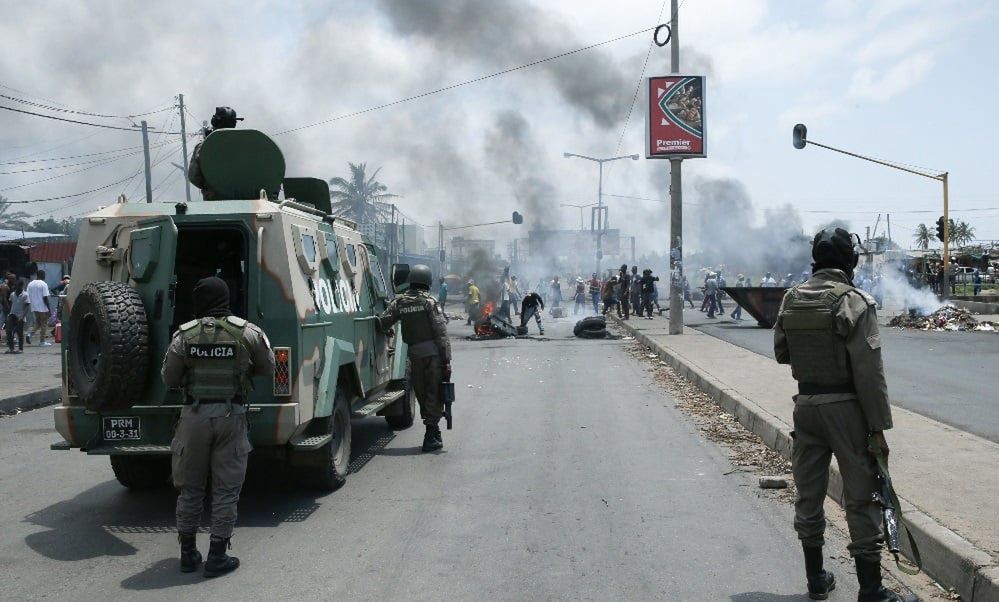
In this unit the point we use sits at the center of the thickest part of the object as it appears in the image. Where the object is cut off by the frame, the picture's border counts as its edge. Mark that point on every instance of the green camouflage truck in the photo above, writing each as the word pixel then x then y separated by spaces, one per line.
pixel 306 277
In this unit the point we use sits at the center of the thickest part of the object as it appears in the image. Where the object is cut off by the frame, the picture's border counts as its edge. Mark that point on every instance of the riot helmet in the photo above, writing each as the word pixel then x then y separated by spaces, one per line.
pixel 420 276
pixel 834 248
pixel 224 118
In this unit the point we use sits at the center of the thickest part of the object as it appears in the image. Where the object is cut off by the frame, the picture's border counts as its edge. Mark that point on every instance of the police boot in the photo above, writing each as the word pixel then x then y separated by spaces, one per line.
pixel 869 577
pixel 433 440
pixel 190 557
pixel 218 562
pixel 820 582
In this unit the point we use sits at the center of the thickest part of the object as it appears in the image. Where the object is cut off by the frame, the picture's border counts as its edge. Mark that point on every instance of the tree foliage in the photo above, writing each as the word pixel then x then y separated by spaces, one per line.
pixel 11 219
pixel 360 197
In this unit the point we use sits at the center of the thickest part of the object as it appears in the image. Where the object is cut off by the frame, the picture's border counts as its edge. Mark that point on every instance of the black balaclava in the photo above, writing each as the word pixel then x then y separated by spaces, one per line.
pixel 833 248
pixel 211 298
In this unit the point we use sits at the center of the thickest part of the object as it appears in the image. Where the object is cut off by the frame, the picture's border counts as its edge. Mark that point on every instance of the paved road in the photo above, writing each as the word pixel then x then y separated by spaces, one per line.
pixel 947 376
pixel 569 476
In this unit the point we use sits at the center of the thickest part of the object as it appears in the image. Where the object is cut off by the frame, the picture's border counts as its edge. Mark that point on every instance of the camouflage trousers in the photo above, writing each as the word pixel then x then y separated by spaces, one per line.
pixel 209 445
pixel 821 431
pixel 425 375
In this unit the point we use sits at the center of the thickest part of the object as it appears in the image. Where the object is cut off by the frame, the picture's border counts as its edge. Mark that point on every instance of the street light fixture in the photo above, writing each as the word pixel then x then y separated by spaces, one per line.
pixel 600 196
pixel 580 207
pixel 800 140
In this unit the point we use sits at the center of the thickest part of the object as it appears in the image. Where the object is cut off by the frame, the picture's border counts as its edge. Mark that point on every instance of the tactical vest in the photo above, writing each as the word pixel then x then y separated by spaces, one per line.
pixel 416 325
pixel 217 358
pixel 819 359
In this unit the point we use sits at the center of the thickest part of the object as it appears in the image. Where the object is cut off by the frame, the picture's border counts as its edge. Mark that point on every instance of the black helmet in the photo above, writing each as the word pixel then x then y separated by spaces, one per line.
pixel 833 248
pixel 420 276
pixel 224 118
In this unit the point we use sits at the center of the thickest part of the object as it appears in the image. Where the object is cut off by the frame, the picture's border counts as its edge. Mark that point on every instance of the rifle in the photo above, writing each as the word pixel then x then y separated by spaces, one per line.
pixel 447 396
pixel 891 512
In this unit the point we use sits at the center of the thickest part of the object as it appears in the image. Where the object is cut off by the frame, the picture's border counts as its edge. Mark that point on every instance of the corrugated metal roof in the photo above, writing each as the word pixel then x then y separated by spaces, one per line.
pixel 13 235
pixel 52 252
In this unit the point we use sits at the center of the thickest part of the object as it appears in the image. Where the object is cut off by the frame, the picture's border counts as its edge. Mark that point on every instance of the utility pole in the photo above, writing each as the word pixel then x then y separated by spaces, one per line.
pixel 440 246
pixel 945 293
pixel 183 144
pixel 888 217
pixel 145 151
pixel 633 249
pixel 675 198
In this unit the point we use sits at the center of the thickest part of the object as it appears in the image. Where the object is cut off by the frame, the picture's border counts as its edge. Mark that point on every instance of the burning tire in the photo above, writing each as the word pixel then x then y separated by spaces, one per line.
pixel 108 346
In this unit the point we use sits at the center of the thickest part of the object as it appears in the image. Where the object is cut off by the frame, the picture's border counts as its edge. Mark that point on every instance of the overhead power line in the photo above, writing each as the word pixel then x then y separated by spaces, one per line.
pixel 86 113
pixel 464 83
pixel 96 125
pixel 107 152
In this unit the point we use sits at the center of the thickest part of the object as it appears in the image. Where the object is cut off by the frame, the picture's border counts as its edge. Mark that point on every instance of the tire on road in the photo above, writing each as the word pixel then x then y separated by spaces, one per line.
pixel 591 327
pixel 328 470
pixel 108 346
pixel 140 473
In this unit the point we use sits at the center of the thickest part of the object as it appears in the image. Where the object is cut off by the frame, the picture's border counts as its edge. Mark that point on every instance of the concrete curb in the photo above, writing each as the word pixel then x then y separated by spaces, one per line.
pixel 30 401
pixel 947 556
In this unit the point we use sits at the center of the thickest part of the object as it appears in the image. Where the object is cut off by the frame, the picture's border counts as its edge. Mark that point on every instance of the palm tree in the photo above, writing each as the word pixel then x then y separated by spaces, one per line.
pixel 961 233
pixel 10 219
pixel 360 198
pixel 923 236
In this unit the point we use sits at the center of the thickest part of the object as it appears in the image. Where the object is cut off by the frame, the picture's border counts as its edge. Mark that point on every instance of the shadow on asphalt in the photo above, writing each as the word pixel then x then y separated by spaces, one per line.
pixel 87 525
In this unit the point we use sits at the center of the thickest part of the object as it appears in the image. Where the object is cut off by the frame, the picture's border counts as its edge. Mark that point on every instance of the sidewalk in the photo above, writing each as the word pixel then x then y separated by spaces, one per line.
pixel 948 479
pixel 31 379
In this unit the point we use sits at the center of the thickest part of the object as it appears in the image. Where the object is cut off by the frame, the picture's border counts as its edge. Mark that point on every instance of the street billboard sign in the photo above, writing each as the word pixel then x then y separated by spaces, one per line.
pixel 675 119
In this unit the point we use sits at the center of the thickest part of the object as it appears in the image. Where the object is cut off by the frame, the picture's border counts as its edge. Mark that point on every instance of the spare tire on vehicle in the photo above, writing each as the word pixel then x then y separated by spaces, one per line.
pixel 108 346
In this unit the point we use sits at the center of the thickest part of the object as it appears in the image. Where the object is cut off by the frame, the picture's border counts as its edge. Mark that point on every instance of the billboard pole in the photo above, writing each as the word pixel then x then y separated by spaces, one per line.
pixel 675 201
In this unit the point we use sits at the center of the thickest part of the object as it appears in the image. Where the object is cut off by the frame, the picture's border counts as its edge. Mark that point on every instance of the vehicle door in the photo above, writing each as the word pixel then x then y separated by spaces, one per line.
pixel 374 300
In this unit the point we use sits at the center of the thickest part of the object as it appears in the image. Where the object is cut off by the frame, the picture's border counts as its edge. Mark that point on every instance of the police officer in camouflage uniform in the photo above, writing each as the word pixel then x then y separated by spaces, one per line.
pixel 424 330
pixel 827 330
pixel 213 359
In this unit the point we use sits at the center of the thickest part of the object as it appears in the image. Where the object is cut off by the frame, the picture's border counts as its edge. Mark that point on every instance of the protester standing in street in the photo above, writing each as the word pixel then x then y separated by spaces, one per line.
pixel 38 294
pixel 636 291
pixel 515 295
pixel 442 293
pixel 624 290
pixel 579 297
pixel 718 295
pixel 740 281
pixel 827 330
pixel 711 294
pixel 595 293
pixel 213 359
pixel 532 306
pixel 18 307
pixel 686 292
pixel 555 293
pixel 472 300
pixel 647 286
pixel 425 332
pixel 610 293
pixel 768 281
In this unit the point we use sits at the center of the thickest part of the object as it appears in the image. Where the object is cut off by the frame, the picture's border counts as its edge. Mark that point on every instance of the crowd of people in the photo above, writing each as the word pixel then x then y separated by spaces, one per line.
pixel 28 310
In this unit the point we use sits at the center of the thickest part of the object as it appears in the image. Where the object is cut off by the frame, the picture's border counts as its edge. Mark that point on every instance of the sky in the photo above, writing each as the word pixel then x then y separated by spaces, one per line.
pixel 905 80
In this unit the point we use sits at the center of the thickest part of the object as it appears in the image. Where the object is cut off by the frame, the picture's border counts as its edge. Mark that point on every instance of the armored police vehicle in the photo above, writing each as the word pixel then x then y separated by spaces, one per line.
pixel 304 276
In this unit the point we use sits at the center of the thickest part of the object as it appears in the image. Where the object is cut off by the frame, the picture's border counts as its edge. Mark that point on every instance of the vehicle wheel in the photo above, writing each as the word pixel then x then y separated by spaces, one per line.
pixel 330 472
pixel 140 473
pixel 108 346
pixel 407 402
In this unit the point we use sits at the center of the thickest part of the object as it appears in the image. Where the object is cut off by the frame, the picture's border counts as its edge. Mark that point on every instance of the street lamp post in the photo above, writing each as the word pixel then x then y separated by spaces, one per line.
pixel 600 197
pixel 800 139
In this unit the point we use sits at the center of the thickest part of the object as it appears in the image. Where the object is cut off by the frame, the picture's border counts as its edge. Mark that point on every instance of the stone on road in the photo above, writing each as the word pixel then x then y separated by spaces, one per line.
pixel 569 475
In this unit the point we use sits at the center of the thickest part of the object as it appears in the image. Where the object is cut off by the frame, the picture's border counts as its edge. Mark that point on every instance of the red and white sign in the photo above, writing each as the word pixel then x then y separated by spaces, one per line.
pixel 675 127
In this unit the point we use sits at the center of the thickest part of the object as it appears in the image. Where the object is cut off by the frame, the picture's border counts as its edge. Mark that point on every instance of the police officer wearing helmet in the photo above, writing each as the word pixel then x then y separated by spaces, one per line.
pixel 827 330
pixel 213 359
pixel 224 118
pixel 424 330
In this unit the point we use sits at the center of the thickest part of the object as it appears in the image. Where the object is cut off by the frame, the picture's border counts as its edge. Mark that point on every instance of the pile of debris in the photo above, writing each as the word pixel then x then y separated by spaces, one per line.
pixel 947 317
pixel 491 326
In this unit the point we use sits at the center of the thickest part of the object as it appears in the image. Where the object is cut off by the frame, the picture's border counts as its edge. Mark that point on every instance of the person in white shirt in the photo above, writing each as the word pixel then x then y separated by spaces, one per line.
pixel 768 281
pixel 38 295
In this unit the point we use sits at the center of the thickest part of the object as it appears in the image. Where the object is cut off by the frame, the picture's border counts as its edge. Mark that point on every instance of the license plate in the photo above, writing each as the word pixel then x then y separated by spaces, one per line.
pixel 122 428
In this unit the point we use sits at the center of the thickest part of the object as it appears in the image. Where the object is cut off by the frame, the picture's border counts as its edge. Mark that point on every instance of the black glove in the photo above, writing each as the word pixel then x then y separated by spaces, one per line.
pixel 446 372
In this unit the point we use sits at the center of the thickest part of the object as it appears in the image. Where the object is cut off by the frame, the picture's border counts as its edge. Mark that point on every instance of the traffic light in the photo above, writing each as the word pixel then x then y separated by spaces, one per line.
pixel 940 228
pixel 800 136
pixel 518 218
